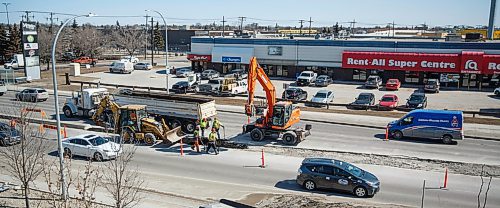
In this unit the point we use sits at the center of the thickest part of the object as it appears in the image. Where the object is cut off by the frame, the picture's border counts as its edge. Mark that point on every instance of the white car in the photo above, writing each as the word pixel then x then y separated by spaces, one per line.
pixel 497 91
pixel 132 59
pixel 91 146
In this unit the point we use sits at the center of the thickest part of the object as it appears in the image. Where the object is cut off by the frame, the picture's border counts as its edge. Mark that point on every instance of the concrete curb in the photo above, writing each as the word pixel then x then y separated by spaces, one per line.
pixel 52 122
pixel 363 125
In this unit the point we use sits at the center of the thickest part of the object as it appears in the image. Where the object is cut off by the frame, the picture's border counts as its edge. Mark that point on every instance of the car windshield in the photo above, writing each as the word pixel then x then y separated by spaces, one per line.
pixel 321 78
pixel 416 98
pixel 97 141
pixel 371 79
pixel 431 82
pixel 214 81
pixel 363 97
pixel 306 74
pixel 387 99
pixel 355 171
pixel 320 95
pixel 391 81
pixel 291 91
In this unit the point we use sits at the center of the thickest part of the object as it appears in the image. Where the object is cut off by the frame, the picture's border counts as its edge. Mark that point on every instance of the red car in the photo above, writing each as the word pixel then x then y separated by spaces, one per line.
pixel 85 60
pixel 393 84
pixel 389 101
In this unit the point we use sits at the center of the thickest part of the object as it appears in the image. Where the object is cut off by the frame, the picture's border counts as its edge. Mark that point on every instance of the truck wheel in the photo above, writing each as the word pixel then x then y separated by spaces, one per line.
pixel 189 127
pixel 150 139
pixel 447 139
pixel 67 112
pixel 257 135
pixel 397 134
pixel 1 93
pixel 289 139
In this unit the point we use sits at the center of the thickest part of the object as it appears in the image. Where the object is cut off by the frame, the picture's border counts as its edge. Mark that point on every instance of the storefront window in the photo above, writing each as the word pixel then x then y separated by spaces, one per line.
pixel 285 71
pixel 411 77
pixel 469 80
pixel 279 71
pixel 359 75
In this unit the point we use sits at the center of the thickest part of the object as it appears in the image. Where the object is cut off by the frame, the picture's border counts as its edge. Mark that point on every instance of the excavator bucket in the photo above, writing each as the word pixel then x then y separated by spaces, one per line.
pixel 170 137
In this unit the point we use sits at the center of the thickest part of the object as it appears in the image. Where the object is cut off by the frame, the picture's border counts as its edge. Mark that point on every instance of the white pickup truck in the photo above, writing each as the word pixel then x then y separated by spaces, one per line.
pixel 306 78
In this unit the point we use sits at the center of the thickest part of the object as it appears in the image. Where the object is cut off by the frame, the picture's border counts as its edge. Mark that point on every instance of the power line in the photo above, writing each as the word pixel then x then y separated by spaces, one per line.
pixel 301 25
pixel 241 20
pixel 310 21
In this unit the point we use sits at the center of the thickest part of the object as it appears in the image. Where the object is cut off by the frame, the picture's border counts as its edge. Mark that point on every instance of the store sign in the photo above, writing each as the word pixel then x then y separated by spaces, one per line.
pixel 229 59
pixel 275 50
pixel 30 50
pixel 467 62
pixel 204 58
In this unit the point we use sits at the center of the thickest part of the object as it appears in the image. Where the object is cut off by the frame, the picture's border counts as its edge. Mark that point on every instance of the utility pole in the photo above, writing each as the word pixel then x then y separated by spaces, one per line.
pixel 301 25
pixel 310 21
pixel 393 29
pixel 51 18
pixel 7 12
pixel 352 24
pixel 491 22
pixel 152 42
pixel 223 26
pixel 241 22
pixel 28 16
pixel 146 43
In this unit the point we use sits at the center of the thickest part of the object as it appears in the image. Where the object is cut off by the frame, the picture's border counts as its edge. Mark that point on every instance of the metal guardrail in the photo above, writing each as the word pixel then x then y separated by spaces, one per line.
pixel 327 105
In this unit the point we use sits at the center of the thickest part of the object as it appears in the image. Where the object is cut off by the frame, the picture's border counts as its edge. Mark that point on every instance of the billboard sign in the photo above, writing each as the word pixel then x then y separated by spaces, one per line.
pixel 30 50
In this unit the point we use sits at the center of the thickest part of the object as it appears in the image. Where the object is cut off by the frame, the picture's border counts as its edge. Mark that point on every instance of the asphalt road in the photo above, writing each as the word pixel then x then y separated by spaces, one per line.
pixel 340 138
pixel 234 174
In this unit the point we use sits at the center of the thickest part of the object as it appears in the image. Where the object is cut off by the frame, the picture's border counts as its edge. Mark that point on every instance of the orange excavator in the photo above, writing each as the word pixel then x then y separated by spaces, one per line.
pixel 278 118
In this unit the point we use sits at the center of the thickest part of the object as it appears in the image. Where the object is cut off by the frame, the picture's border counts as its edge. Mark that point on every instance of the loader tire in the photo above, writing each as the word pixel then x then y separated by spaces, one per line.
pixel 289 139
pixel 150 139
pixel 257 135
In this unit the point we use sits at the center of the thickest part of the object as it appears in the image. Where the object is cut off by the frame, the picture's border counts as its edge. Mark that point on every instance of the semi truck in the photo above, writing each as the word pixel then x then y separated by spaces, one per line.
pixel 84 103
pixel 17 62
pixel 176 110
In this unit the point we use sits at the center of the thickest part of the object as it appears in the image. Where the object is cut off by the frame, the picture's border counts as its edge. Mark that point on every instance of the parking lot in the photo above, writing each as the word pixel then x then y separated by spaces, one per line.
pixel 344 92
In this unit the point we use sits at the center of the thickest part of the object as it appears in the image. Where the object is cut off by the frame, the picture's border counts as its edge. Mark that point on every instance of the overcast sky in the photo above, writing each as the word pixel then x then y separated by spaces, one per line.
pixel 267 12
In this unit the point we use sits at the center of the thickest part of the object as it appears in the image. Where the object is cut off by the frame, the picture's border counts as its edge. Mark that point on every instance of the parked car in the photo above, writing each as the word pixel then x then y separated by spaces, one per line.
pixel 393 84
pixel 33 95
pixel 306 78
pixel 91 146
pixel 143 66
pixel 132 59
pixel 417 100
pixel 373 82
pixel 432 85
pixel 294 94
pixel 85 60
pixel 183 72
pixel 122 67
pixel 363 101
pixel 497 91
pixel 3 88
pixel 213 86
pixel 324 173
pixel 321 97
pixel 209 74
pixel 239 73
pixel 431 124
pixel 388 101
pixel 8 135
pixel 323 81
pixel 184 87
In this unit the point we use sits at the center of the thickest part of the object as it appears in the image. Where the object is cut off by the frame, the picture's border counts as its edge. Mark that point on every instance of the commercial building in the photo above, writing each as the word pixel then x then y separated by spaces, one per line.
pixel 460 64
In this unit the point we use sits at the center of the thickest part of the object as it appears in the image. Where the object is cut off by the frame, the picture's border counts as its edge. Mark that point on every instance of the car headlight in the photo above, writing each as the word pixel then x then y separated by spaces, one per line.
pixel 371 183
pixel 420 105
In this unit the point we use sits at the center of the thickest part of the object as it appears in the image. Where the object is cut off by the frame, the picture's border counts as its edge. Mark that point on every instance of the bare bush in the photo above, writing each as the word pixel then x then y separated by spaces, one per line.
pixel 129 39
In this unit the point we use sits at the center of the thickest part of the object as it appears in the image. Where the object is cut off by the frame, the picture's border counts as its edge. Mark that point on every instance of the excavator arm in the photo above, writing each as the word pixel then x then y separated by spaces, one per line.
pixel 255 72
pixel 106 103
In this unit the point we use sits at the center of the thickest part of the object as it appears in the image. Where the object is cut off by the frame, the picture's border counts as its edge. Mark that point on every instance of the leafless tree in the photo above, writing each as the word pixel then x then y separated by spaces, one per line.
pixel 24 161
pixel 52 177
pixel 88 41
pixel 129 39
pixel 45 42
pixel 87 183
pixel 123 181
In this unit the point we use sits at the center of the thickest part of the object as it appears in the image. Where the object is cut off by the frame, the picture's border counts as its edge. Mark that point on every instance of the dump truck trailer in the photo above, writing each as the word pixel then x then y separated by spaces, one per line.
pixel 176 110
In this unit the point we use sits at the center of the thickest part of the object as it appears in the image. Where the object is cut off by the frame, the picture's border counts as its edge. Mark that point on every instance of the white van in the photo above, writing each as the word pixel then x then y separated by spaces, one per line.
pixel 122 67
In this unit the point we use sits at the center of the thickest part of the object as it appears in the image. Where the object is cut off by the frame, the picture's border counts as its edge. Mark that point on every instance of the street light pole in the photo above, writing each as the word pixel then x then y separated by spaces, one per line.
pixel 64 193
pixel 7 12
pixel 167 73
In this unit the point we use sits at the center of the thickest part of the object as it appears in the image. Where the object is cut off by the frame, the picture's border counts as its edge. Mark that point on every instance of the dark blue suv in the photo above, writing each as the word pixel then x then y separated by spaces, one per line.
pixel 8 135
pixel 324 173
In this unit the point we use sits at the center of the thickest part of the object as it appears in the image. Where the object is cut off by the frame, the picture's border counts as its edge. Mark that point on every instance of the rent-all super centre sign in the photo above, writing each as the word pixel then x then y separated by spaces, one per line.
pixel 466 62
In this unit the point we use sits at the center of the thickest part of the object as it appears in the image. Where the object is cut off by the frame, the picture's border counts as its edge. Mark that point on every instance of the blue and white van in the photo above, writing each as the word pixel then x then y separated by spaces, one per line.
pixel 432 124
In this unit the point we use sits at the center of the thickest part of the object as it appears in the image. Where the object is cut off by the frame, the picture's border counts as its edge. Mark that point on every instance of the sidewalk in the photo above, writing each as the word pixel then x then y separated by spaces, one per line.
pixel 479 131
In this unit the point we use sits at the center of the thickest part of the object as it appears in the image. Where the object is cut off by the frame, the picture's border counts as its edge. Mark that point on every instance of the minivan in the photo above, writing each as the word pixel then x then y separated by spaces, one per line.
pixel 431 124
pixel 325 173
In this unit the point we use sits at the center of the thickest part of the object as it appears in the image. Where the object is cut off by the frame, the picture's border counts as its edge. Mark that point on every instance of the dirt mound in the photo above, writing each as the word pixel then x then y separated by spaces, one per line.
pixel 299 201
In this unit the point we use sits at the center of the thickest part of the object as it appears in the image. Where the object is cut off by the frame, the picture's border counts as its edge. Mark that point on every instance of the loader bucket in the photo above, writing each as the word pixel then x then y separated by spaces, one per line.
pixel 172 136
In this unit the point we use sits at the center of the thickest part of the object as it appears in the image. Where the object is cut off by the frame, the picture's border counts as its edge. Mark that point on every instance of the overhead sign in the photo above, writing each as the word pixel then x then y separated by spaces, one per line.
pixel 30 50
pixel 466 62
pixel 275 50
pixel 204 58
pixel 229 59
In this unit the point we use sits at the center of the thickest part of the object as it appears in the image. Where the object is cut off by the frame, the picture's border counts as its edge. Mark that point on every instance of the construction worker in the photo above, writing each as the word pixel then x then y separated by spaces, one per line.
pixel 203 126
pixel 216 125
pixel 197 140
pixel 211 142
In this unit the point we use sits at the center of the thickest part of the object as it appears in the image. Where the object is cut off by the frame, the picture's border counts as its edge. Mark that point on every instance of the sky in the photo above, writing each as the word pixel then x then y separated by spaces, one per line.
pixel 265 12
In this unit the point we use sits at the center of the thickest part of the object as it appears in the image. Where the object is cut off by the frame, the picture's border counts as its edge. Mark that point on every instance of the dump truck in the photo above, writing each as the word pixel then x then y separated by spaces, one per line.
pixel 176 110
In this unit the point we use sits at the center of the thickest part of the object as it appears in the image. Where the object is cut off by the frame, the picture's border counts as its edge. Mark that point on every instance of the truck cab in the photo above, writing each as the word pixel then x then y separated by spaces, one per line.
pixel 16 62
pixel 84 103
pixel 429 124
